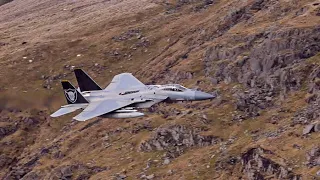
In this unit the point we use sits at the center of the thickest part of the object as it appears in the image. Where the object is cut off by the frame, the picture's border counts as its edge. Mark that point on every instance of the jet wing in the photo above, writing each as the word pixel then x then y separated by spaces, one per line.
pixel 99 108
pixel 124 81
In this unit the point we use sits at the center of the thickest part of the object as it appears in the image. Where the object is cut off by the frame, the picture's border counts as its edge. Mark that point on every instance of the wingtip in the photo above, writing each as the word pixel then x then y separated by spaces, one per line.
pixel 53 115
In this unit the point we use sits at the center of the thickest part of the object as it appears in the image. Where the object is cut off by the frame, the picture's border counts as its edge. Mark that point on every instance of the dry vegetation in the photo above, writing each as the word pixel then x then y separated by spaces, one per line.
pixel 198 43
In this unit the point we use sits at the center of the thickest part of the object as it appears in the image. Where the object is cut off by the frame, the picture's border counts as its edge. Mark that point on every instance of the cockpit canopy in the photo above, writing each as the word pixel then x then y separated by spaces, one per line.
pixel 174 87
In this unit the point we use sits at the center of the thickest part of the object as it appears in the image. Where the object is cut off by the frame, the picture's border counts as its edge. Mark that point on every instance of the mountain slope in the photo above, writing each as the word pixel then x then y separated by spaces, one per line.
pixel 260 57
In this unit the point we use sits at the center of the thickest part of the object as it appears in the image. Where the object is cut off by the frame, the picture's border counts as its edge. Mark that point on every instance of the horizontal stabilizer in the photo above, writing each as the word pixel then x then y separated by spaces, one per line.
pixel 66 110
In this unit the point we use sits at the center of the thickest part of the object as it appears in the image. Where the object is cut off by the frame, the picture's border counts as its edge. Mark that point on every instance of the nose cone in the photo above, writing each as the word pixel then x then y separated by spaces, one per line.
pixel 202 96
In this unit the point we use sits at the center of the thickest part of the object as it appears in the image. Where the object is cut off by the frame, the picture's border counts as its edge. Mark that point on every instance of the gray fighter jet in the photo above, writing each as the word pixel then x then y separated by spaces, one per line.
pixel 121 98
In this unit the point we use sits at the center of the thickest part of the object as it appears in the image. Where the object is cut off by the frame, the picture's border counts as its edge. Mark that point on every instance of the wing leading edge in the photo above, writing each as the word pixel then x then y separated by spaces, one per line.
pixel 95 109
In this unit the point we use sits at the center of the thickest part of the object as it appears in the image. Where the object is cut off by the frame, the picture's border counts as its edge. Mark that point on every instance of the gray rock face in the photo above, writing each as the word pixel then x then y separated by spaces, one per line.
pixel 256 166
pixel 69 171
pixel 308 114
pixel 317 127
pixel 308 129
pixel 313 157
pixel 5 161
pixel 252 101
pixel 33 175
pixel 314 127
pixel 7 130
pixel 120 176
pixel 175 139
pixel 265 53
pixel 26 171
pixel 19 171
pixel 314 83
pixel 29 121
pixel 267 62
pixel 140 127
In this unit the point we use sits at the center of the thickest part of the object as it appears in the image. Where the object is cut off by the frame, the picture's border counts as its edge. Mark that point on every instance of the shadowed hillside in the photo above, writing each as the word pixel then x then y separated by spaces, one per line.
pixel 2 2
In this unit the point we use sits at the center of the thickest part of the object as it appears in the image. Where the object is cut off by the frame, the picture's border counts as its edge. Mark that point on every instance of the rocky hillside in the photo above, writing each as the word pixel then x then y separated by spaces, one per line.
pixel 260 58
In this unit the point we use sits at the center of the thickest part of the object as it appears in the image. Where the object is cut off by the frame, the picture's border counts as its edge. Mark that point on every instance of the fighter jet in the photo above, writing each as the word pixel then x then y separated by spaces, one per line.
pixel 122 98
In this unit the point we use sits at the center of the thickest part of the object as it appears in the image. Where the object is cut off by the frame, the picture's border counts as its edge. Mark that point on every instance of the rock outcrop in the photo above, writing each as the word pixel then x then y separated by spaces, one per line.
pixel 6 161
pixel 315 127
pixel 252 102
pixel 262 54
pixel 74 171
pixel 269 64
pixel 308 114
pixel 256 166
pixel 7 130
pixel 78 171
pixel 175 140
pixel 313 157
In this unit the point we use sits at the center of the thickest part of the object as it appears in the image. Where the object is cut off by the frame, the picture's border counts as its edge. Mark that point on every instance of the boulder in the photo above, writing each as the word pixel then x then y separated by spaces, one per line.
pixel 317 127
pixel 314 127
pixel 308 129
pixel 149 177
pixel 166 161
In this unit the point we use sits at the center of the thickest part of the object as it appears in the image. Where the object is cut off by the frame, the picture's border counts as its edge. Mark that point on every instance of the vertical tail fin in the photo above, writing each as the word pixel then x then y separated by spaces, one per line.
pixel 85 82
pixel 72 95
